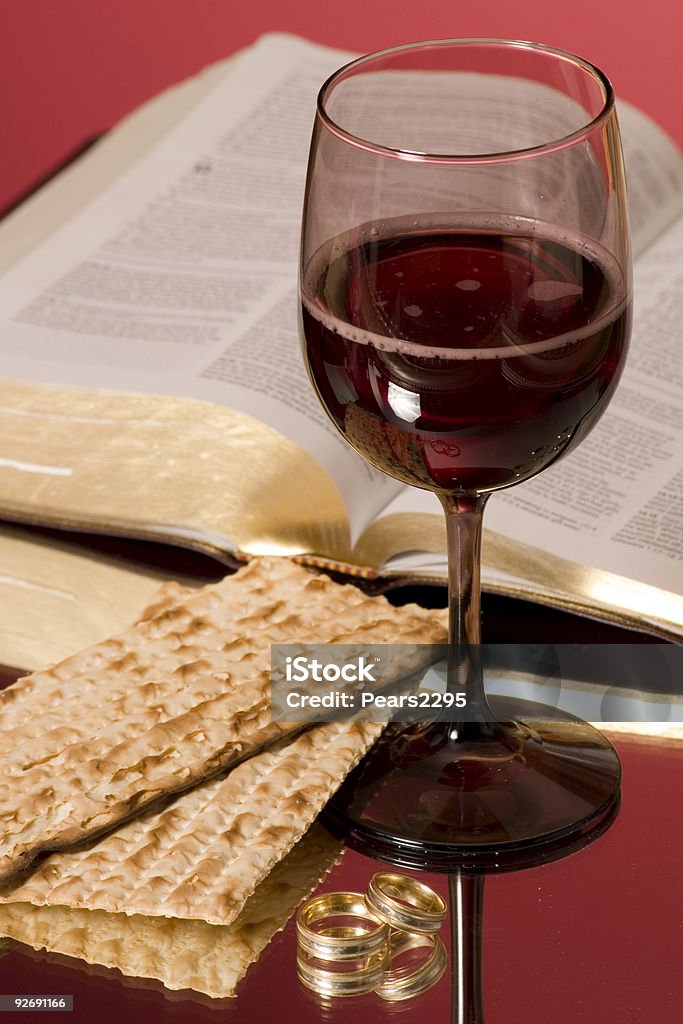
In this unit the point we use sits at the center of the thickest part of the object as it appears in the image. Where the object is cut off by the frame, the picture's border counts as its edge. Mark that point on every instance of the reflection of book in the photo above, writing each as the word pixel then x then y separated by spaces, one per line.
pixel 154 389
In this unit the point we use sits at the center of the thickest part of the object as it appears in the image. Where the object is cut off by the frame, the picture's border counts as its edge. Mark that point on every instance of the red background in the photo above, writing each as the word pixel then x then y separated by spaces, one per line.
pixel 69 69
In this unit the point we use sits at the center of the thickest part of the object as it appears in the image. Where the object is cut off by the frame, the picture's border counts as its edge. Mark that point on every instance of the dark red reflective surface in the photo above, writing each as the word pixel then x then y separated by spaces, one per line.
pixel 596 937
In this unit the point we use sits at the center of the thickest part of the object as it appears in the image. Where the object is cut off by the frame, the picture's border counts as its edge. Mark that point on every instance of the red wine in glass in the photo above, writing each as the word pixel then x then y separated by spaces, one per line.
pixel 466 357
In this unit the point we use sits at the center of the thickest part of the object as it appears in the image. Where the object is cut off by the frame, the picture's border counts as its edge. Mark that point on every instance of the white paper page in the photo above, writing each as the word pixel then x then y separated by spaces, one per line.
pixel 617 501
pixel 654 165
pixel 181 278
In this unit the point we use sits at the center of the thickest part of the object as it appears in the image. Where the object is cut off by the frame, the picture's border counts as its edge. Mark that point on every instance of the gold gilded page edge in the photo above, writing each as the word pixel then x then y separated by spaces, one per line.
pixel 97 448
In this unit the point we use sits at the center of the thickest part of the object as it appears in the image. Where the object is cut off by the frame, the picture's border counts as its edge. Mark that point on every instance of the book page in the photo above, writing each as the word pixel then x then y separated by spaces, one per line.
pixel 654 165
pixel 65 195
pixel 180 278
pixel 617 501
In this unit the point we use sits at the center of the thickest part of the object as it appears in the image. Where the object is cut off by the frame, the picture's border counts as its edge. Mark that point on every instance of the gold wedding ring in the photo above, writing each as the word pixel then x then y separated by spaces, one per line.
pixel 348 942
pixel 327 981
pixel 406 982
pixel 340 941
pixel 405 903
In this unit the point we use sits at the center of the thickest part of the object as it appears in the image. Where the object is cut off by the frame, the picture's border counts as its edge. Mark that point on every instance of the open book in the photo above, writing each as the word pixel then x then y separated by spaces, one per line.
pixel 153 386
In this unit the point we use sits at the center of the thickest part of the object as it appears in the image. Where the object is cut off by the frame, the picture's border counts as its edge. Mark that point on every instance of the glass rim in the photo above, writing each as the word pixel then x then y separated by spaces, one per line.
pixel 562 142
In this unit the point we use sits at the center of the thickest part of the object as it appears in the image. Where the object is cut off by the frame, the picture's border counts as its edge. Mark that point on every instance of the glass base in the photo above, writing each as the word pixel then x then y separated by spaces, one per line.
pixel 491 796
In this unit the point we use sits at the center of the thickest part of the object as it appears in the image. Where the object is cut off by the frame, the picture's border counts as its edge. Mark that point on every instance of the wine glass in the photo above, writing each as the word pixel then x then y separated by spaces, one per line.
pixel 465 315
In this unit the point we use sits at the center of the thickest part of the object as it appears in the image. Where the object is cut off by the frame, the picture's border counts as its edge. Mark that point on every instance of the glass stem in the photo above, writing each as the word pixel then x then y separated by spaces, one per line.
pixel 466 894
pixel 465 670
